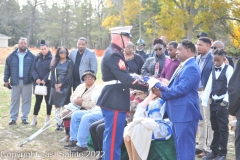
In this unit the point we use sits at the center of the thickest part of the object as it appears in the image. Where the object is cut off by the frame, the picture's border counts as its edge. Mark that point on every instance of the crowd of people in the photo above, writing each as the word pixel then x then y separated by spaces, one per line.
pixel 202 92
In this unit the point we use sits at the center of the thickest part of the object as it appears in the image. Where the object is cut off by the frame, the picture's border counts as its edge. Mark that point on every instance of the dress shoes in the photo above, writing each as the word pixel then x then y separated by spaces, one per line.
pixel 71 144
pixel 220 158
pixel 210 156
pixel 78 149
pixel 12 122
pixel 24 121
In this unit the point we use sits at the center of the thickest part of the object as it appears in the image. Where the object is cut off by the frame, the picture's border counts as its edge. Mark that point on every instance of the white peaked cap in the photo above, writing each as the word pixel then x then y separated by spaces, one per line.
pixel 125 30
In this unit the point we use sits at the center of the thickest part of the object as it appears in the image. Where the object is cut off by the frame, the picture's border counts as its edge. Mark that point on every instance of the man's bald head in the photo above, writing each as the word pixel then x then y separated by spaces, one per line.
pixel 218 44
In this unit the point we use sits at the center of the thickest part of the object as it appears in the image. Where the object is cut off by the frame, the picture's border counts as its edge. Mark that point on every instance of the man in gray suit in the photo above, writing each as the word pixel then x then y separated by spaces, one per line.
pixel 83 59
pixel 205 62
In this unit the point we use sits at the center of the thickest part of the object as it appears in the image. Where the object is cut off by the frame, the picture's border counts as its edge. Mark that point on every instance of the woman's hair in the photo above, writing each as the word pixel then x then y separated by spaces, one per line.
pixel 157 41
pixel 43 43
pixel 219 52
pixel 57 57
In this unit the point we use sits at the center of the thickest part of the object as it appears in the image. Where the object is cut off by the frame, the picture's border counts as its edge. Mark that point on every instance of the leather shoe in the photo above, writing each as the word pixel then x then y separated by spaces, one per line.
pixel 12 122
pixel 24 121
pixel 198 151
pixel 220 158
pixel 78 149
pixel 71 144
pixel 210 156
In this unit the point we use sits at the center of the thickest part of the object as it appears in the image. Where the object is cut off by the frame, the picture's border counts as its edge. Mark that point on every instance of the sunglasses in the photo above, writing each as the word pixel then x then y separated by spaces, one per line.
pixel 88 77
pixel 213 47
pixel 63 52
pixel 158 49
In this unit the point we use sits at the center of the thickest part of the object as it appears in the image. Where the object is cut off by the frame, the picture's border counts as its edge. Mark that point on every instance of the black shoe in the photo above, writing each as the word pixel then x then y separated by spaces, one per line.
pixel 220 158
pixel 24 121
pixel 78 149
pixel 71 144
pixel 210 156
pixel 198 151
pixel 12 122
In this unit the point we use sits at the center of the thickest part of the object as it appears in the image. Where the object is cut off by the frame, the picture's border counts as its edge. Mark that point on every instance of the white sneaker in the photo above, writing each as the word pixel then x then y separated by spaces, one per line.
pixel 34 121
pixel 65 139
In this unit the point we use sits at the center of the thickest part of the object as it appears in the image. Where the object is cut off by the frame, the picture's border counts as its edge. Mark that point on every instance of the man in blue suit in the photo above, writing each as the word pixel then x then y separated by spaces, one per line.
pixel 182 102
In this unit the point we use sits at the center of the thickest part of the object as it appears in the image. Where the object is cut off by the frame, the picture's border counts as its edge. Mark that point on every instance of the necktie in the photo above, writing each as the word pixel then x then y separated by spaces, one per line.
pixel 218 69
pixel 176 72
pixel 156 68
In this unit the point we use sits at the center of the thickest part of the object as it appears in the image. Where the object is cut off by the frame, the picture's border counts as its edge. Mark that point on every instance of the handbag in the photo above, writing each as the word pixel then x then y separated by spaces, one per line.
pixel 40 90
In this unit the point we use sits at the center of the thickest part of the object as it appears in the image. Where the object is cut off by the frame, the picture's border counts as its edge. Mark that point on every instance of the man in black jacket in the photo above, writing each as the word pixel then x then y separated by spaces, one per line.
pixel 234 105
pixel 18 70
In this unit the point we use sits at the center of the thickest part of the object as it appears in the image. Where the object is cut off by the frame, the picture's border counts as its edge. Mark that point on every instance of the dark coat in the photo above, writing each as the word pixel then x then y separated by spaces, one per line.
pixel 230 60
pixel 114 67
pixel 41 68
pixel 207 68
pixel 234 91
pixel 12 68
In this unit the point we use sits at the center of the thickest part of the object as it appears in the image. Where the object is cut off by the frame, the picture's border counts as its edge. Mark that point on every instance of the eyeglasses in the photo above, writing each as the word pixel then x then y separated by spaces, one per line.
pixel 88 78
pixel 158 49
pixel 62 52
pixel 213 47
pixel 140 44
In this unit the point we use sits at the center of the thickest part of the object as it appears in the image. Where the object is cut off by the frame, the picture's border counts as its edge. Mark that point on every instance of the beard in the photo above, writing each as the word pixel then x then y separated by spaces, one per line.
pixel 22 49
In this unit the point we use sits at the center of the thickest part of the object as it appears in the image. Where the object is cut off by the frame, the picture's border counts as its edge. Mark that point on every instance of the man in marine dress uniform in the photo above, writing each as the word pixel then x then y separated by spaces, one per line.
pixel 115 97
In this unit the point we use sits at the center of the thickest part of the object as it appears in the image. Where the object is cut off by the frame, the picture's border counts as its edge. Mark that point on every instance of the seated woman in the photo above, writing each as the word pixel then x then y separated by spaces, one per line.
pixel 148 112
pixel 80 99
pixel 80 123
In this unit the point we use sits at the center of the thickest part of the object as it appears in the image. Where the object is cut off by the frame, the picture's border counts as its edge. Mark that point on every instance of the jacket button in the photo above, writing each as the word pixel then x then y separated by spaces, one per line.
pixel 123 89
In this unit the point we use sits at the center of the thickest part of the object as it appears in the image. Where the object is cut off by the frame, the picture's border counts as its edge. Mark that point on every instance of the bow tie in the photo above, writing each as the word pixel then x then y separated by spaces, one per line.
pixel 218 69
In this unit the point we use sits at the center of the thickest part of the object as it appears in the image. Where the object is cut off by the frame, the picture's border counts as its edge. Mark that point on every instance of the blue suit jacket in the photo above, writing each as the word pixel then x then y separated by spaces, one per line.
pixel 207 68
pixel 182 101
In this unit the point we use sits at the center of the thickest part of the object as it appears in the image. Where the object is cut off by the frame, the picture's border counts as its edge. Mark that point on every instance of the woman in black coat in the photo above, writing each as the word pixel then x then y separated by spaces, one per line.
pixel 40 74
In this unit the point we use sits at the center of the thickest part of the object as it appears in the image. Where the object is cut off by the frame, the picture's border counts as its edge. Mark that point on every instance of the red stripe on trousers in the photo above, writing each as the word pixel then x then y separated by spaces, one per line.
pixel 113 134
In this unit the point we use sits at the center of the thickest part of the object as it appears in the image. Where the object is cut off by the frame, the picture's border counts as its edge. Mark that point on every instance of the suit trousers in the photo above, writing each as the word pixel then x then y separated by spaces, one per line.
pixel 25 92
pixel 113 135
pixel 237 136
pixel 219 121
pixel 96 131
pixel 205 133
pixel 185 139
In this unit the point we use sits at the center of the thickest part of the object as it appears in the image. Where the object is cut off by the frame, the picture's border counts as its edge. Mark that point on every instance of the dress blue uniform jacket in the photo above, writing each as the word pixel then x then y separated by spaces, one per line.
pixel 117 96
pixel 182 101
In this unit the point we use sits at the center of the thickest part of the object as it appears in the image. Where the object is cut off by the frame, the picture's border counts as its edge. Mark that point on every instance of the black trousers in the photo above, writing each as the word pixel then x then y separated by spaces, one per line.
pixel 39 102
pixel 219 122
pixel 76 82
pixel 96 131
pixel 237 136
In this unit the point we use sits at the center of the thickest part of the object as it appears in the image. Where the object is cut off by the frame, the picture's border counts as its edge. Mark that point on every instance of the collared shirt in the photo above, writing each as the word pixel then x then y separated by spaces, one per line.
pixel 201 63
pixel 169 68
pixel 229 73
pixel 21 62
